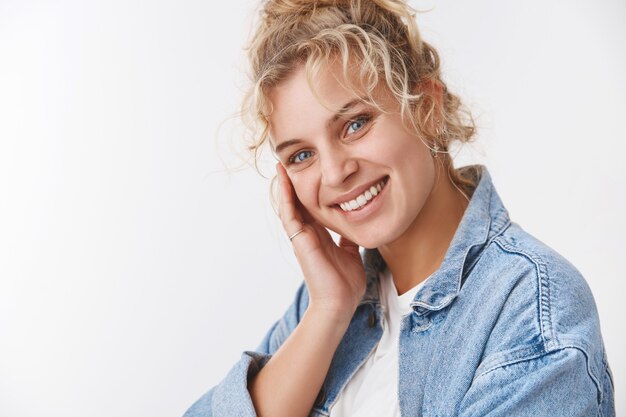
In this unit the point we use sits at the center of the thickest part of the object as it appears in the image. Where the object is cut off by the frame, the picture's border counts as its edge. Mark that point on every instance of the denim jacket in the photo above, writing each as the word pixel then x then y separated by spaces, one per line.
pixel 505 327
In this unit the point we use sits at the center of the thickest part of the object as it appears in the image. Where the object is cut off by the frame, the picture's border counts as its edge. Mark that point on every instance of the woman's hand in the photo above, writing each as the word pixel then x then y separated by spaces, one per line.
pixel 334 275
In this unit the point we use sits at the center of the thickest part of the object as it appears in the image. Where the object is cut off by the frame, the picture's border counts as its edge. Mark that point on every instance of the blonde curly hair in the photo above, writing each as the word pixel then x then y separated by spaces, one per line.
pixel 378 40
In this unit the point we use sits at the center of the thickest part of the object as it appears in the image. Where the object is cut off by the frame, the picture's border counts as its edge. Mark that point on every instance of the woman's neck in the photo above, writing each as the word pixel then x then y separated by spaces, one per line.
pixel 418 253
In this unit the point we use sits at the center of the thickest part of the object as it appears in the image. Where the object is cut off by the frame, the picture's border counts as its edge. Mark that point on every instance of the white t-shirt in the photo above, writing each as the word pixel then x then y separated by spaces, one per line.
pixel 373 390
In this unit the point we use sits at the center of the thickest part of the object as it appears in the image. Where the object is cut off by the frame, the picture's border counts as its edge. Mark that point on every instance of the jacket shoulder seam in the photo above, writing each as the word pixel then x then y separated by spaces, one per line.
pixel 509 358
pixel 545 309
pixel 535 352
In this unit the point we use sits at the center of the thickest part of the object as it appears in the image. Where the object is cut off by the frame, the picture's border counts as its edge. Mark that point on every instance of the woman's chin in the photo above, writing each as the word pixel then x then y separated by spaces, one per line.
pixel 366 242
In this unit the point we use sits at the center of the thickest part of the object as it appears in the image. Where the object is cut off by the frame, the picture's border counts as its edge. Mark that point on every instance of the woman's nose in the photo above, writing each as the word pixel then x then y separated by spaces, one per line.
pixel 337 165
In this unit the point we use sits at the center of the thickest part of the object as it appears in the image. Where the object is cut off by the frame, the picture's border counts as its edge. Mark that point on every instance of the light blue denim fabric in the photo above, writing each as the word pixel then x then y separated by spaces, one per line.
pixel 505 327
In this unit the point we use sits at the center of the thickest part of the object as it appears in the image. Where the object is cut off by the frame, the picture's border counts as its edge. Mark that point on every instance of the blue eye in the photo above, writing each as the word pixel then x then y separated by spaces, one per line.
pixel 300 156
pixel 357 124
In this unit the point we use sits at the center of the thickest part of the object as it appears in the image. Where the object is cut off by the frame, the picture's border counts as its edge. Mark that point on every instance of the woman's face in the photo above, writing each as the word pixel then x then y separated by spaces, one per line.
pixel 335 148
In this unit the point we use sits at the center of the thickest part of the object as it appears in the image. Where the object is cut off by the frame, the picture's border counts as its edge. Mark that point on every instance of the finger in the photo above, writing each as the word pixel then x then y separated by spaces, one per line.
pixel 348 245
pixel 304 213
pixel 322 233
pixel 288 213
pixel 294 215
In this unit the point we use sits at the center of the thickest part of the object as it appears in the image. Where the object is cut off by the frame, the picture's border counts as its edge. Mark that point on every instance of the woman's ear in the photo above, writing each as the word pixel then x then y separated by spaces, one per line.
pixel 438 93
pixel 431 106
pixel 434 90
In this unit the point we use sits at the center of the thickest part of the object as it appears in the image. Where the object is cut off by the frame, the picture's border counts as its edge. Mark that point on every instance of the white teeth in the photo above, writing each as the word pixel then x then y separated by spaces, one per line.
pixel 363 199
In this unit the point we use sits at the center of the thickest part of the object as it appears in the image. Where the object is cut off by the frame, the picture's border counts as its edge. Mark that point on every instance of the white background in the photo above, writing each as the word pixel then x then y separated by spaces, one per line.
pixel 136 263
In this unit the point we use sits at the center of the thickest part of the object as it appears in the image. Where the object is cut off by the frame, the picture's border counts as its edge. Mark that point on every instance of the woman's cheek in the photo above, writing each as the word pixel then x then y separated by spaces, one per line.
pixel 304 192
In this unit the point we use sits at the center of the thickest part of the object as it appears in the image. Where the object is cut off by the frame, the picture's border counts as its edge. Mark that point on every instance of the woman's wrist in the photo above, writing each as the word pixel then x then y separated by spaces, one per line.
pixel 339 314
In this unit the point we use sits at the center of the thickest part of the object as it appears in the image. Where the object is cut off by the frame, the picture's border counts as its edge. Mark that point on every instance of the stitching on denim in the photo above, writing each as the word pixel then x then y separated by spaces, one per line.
pixel 419 329
pixel 510 357
pixel 545 311
pixel 607 368
pixel 596 380
pixel 539 355
pixel 442 304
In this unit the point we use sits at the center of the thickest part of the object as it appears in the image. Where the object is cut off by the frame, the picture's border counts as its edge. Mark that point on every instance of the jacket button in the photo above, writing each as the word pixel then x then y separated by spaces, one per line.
pixel 372 319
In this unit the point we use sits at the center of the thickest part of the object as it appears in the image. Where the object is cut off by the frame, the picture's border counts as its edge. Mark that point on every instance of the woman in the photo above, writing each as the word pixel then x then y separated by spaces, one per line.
pixel 451 309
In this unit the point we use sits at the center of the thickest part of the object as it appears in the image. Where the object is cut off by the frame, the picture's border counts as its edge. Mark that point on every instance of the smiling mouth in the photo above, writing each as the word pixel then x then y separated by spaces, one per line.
pixel 365 198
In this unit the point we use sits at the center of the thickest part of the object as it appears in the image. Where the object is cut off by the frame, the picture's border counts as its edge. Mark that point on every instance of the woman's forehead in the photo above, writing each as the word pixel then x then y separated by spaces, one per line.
pixel 331 88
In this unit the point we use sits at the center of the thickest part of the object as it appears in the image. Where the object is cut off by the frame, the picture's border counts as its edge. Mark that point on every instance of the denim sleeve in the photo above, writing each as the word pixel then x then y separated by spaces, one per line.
pixel 551 384
pixel 231 396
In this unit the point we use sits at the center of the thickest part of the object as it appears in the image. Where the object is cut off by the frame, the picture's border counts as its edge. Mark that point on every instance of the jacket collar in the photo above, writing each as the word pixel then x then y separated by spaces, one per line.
pixel 485 217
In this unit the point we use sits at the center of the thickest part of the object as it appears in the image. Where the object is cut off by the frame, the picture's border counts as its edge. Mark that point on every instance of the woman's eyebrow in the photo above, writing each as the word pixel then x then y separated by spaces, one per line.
pixel 339 114
pixel 283 145
pixel 345 109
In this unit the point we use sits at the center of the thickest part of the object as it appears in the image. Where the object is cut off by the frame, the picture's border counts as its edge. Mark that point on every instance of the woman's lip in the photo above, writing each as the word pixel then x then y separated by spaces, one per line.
pixel 373 205
pixel 354 194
